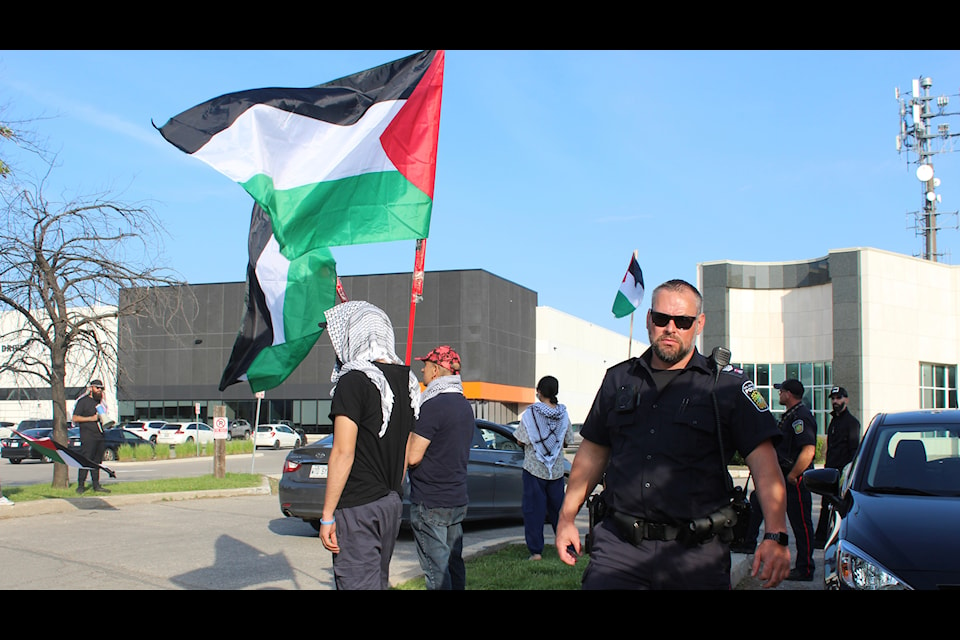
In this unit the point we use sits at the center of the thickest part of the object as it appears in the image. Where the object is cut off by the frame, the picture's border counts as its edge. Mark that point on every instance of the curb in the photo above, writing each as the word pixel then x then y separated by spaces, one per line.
pixel 104 501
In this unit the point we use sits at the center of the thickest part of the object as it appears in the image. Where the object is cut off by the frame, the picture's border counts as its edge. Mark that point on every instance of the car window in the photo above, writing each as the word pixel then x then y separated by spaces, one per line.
pixel 913 459
pixel 496 440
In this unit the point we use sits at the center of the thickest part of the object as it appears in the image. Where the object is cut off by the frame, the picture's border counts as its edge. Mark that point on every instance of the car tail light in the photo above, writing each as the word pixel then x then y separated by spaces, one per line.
pixel 289 466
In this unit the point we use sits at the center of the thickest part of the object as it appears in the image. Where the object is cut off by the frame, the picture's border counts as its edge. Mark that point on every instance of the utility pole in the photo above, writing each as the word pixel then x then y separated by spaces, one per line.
pixel 918 111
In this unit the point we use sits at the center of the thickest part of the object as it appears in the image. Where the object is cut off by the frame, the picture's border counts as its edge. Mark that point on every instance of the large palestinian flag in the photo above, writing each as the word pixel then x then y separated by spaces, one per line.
pixel 350 161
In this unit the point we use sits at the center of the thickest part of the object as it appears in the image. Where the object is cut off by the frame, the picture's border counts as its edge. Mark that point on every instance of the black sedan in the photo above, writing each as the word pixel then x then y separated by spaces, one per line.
pixel 16 449
pixel 494 478
pixel 117 437
pixel 896 505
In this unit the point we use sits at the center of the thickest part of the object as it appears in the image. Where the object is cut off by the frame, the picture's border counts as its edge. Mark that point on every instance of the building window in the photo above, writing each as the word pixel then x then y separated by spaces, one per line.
pixel 817 379
pixel 938 386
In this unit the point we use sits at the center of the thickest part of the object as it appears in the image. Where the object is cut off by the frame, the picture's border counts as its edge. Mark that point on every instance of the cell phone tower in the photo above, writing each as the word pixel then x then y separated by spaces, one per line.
pixel 919 111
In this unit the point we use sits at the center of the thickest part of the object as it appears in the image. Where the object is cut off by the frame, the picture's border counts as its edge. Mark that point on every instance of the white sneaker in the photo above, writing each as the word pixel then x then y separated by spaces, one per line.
pixel 6 502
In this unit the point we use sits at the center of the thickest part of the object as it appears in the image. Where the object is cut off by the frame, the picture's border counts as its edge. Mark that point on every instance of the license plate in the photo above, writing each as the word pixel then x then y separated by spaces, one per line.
pixel 318 471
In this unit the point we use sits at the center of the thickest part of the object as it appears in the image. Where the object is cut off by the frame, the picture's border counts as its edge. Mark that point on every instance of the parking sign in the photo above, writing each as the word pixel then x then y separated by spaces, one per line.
pixel 219 428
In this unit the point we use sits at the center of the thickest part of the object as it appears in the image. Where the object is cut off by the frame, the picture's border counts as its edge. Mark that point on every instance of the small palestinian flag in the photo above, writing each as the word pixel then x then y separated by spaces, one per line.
pixel 59 453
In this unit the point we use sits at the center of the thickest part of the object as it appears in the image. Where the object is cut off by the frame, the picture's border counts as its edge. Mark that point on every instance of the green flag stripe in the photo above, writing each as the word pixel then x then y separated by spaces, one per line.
pixel 310 290
pixel 622 306
pixel 373 207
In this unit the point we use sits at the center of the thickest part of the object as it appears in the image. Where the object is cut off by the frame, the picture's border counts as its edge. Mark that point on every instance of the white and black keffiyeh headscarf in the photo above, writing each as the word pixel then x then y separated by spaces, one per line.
pixel 360 334
pixel 442 384
pixel 546 427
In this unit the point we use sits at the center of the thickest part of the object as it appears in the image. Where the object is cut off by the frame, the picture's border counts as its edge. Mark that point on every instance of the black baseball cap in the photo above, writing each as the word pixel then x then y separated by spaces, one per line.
pixel 792 385
pixel 96 382
pixel 838 391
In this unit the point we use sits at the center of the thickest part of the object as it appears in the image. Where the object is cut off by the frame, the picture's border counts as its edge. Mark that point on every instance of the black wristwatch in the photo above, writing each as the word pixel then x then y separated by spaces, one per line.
pixel 781 538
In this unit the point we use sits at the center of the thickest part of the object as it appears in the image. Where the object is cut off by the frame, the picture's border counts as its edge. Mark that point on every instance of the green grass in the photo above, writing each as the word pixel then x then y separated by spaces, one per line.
pixel 186 450
pixel 27 493
pixel 509 569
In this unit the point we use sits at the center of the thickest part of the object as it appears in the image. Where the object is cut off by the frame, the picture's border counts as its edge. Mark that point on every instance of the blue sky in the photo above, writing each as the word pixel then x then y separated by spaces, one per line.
pixel 553 166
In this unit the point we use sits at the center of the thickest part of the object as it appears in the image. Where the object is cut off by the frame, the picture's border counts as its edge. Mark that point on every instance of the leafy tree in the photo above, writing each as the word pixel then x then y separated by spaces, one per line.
pixel 62 265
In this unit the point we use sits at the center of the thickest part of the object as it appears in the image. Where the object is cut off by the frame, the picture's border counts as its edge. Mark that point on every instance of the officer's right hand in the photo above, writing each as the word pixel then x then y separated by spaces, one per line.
pixel 567 536
pixel 772 562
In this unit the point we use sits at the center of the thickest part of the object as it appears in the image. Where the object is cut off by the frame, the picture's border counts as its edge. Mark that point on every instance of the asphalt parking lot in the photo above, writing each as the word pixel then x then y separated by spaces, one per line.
pixel 233 539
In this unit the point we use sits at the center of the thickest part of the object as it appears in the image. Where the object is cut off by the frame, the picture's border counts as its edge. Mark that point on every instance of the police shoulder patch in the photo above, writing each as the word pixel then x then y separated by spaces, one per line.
pixel 798 426
pixel 754 396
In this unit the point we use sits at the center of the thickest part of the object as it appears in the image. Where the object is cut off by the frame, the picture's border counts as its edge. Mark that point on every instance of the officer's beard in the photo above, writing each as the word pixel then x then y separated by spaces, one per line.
pixel 675 355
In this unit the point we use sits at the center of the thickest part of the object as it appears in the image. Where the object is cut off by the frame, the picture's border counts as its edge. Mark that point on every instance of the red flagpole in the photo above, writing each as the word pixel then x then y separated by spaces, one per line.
pixel 416 291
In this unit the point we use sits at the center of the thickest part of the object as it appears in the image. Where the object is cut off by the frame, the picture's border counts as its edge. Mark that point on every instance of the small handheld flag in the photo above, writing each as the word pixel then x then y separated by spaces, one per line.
pixel 630 294
pixel 59 453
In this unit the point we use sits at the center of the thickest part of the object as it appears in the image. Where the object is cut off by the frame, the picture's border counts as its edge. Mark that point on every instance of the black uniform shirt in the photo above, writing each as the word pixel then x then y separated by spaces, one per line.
pixel 665 462
pixel 843 438
pixel 799 429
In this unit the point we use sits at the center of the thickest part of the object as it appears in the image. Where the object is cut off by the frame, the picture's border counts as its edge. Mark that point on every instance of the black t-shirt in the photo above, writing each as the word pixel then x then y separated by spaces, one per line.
pixel 665 462
pixel 378 462
pixel 86 407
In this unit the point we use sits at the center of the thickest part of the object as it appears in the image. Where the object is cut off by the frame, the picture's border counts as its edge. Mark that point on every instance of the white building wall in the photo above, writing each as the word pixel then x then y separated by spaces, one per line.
pixel 911 314
pixel 578 353
pixel 77 375
pixel 781 325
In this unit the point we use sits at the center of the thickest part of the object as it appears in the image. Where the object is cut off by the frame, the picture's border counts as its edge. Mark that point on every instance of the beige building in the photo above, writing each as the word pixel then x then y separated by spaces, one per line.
pixel 578 353
pixel 884 326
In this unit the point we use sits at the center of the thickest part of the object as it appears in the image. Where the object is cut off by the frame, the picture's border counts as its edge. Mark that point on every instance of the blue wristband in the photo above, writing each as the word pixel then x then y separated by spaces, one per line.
pixel 331 521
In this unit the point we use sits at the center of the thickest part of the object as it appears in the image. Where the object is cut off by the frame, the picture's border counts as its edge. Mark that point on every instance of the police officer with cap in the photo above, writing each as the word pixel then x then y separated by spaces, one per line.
pixel 843 438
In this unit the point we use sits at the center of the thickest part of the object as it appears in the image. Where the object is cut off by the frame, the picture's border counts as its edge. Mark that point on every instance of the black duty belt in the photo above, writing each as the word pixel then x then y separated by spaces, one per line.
pixel 635 530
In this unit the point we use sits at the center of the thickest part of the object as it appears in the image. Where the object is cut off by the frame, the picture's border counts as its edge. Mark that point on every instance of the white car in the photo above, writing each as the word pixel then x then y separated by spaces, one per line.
pixel 146 429
pixel 276 436
pixel 174 433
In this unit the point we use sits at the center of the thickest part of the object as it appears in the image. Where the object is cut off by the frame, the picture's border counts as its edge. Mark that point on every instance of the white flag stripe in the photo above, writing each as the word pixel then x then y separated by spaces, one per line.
pixel 299 150
pixel 271 269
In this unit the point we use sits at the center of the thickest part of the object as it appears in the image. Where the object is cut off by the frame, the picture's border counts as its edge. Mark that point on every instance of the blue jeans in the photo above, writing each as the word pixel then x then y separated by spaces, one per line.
pixel 438 533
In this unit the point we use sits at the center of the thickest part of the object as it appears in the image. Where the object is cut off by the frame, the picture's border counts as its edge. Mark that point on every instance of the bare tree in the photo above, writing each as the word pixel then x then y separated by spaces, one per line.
pixel 62 265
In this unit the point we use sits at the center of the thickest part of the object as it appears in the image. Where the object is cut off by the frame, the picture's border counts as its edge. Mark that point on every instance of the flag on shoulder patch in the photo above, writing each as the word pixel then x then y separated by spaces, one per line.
pixel 59 453
pixel 630 294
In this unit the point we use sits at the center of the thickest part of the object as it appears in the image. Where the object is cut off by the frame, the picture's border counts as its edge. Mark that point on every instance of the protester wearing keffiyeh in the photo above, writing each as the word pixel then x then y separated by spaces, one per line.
pixel 360 334
pixel 544 430
pixel 373 405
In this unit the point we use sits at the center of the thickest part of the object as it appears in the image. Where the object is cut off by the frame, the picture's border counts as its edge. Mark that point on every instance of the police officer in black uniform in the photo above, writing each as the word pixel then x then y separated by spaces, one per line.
pixel 652 435
pixel 843 438
pixel 795 454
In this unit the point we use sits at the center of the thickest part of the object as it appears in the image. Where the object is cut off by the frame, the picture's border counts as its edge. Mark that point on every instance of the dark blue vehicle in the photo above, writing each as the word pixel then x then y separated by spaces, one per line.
pixel 896 505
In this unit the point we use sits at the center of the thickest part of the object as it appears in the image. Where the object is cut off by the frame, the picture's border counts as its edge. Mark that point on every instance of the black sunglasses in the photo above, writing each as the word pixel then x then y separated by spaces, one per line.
pixel 662 319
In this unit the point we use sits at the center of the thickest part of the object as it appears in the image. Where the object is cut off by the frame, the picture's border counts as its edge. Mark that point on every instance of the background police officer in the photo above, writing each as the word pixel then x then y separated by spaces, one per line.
pixel 843 438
